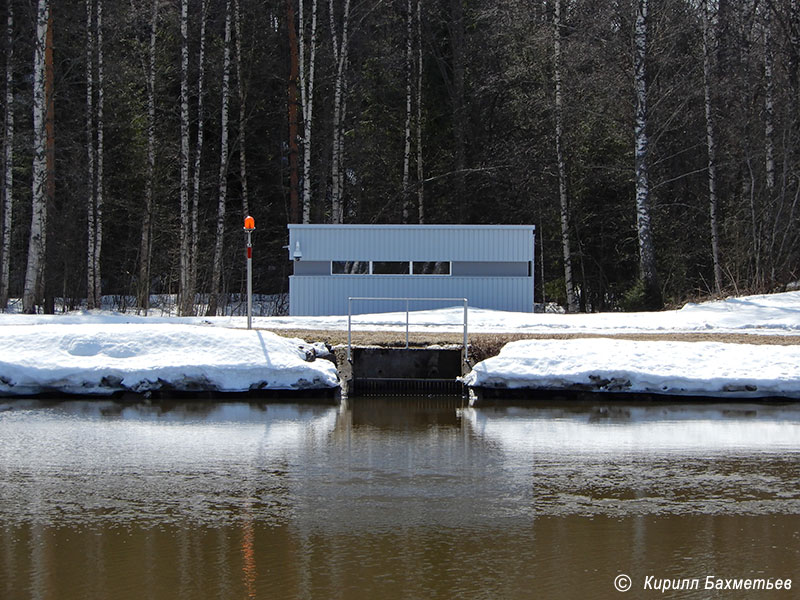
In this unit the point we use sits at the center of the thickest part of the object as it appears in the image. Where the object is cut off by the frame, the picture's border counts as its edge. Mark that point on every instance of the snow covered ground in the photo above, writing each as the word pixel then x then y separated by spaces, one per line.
pixel 775 314
pixel 102 352
pixel 86 357
pixel 662 367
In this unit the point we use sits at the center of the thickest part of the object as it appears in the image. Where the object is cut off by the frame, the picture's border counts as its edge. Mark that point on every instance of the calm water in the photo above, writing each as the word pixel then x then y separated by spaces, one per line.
pixel 393 499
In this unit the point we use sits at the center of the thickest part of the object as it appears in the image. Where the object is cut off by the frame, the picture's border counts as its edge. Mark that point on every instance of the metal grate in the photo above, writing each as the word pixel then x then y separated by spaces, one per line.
pixel 406 387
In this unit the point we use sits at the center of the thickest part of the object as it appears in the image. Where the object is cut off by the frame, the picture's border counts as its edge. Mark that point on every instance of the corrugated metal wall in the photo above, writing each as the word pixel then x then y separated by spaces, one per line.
pixel 312 293
pixel 508 243
pixel 320 295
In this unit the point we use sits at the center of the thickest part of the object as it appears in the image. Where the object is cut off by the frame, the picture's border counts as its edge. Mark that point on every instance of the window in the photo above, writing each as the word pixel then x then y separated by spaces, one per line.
pixel 350 267
pixel 394 267
pixel 389 267
pixel 431 267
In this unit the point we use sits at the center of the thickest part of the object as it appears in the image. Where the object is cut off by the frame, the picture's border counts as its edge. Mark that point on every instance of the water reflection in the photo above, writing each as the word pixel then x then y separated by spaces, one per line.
pixel 618 428
pixel 390 498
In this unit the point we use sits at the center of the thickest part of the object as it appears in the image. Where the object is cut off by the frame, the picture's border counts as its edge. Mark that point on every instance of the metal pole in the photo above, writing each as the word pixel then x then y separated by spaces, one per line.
pixel 249 282
pixel 465 330
pixel 406 323
pixel 349 337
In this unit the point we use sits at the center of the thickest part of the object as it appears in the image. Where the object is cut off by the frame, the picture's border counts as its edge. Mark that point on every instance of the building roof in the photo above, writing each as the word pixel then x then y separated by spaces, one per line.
pixel 360 242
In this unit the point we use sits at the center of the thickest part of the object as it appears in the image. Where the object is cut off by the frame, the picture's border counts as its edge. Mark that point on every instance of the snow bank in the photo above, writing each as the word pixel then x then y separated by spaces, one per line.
pixel 775 314
pixel 90 358
pixel 610 365
pixel 99 352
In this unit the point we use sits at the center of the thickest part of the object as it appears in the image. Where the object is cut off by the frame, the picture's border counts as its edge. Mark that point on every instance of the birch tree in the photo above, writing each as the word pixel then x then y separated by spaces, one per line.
pixel 291 103
pixel 198 151
pixel 94 147
pixel 709 48
pixel 773 203
pixel 90 155
pixel 340 57
pixel 769 107
pixel 146 244
pixel 307 99
pixel 50 158
pixel 647 258
pixel 420 169
pixel 216 272
pixel 572 305
pixel 99 194
pixel 186 294
pixel 8 161
pixel 36 241
pixel 457 91
pixel 407 130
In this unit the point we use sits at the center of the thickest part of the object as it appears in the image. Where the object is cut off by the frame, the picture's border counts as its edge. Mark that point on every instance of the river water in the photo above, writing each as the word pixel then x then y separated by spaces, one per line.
pixel 395 498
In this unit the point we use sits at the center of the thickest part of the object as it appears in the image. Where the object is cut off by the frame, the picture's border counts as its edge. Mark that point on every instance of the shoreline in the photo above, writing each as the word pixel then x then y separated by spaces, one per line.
pixel 487 345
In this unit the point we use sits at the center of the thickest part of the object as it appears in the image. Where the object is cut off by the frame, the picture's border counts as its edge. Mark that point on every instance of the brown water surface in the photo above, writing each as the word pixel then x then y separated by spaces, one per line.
pixel 394 498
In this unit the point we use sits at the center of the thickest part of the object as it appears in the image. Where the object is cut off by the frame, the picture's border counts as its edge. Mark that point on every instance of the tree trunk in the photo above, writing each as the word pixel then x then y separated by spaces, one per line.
pixel 185 294
pixel 420 170
pixel 8 162
pixel 572 305
pixel 709 45
pixel 407 137
pixel 457 94
pixel 242 111
pixel 337 155
pixel 90 156
pixel 36 240
pixel 307 101
pixel 98 209
pixel 291 101
pixel 216 273
pixel 772 212
pixel 769 107
pixel 794 58
pixel 145 245
pixel 50 159
pixel 198 151
pixel 647 258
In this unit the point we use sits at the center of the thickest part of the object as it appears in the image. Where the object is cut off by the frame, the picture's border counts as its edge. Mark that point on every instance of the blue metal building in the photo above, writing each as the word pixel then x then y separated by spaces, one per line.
pixel 490 265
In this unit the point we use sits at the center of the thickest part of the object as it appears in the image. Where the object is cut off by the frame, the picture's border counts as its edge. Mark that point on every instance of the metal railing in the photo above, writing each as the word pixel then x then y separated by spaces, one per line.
pixel 407 301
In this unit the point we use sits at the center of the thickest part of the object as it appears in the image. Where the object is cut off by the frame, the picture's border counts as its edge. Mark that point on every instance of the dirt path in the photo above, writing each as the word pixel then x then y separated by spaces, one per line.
pixel 484 345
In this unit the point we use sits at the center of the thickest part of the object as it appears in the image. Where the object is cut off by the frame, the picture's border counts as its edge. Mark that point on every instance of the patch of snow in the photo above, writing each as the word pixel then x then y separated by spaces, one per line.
pixel 92 358
pixel 776 314
pixel 662 367
pixel 97 352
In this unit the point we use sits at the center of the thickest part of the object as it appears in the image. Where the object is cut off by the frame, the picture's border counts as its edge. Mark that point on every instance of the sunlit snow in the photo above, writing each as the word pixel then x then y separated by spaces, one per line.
pixel 100 352
pixel 102 358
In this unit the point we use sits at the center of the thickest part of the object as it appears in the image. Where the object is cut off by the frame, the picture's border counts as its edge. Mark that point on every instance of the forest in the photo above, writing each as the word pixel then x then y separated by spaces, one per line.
pixel 654 144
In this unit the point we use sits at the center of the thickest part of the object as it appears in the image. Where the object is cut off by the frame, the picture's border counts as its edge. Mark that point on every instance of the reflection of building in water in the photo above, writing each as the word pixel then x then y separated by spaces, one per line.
pixel 412 412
